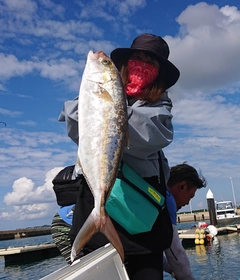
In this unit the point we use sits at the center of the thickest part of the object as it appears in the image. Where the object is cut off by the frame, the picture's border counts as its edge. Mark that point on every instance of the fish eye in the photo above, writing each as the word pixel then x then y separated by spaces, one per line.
pixel 106 61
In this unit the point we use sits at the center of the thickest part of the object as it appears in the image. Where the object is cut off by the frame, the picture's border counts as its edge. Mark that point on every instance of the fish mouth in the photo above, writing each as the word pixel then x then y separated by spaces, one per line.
pixel 95 55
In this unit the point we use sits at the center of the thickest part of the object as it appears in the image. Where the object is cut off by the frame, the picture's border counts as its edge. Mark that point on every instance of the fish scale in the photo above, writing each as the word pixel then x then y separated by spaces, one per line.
pixel 102 119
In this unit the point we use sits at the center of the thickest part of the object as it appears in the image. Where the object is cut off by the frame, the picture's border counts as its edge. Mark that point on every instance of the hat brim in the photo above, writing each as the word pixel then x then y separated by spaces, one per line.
pixel 119 55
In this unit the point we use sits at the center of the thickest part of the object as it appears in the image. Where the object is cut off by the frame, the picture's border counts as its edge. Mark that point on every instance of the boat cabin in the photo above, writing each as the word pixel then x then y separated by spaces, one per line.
pixel 224 209
pixel 226 214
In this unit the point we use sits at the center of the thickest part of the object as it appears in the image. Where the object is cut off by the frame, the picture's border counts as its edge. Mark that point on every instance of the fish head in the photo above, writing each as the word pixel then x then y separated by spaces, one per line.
pixel 100 70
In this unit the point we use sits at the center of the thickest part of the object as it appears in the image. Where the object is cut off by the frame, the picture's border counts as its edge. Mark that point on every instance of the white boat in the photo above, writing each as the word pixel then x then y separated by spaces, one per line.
pixel 102 264
pixel 226 214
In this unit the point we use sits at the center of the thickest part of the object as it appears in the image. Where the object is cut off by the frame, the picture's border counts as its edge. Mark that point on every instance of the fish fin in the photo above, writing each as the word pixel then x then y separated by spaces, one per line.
pixel 88 229
pixel 78 167
pixel 110 232
pixel 78 164
pixel 104 94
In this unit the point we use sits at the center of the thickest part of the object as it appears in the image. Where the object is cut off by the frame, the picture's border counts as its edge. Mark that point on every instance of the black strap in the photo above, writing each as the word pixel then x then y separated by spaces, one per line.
pixel 162 177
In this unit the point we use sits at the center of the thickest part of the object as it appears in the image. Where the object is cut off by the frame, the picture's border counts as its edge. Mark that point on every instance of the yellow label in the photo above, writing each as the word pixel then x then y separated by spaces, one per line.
pixel 154 194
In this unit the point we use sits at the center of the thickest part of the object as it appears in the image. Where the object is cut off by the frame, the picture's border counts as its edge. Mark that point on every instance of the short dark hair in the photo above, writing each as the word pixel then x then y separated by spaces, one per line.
pixel 185 172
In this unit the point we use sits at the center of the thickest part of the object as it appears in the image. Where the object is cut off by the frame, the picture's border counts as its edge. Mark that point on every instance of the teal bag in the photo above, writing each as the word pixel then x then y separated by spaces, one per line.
pixel 133 203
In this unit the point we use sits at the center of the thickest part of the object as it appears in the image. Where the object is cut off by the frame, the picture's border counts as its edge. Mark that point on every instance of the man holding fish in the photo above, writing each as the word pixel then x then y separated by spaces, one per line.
pixel 109 127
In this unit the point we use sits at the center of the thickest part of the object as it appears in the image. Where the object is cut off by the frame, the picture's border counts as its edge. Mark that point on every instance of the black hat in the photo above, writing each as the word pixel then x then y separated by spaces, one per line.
pixel 155 45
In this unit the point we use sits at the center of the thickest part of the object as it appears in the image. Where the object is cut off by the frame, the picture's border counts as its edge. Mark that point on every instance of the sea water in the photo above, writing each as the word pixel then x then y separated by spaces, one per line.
pixel 219 260
pixel 31 270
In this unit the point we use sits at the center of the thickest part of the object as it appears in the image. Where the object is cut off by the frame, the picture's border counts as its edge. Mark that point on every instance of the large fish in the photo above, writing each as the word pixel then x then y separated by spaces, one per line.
pixel 102 118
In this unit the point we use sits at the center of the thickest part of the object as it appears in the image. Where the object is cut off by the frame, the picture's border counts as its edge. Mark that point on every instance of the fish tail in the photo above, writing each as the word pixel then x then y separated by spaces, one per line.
pixel 89 228
pixel 92 225
pixel 110 232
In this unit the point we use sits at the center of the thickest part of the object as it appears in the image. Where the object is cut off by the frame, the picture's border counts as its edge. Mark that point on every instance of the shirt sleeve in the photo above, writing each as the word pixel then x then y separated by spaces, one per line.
pixel 172 207
pixel 176 259
pixel 150 127
pixel 69 114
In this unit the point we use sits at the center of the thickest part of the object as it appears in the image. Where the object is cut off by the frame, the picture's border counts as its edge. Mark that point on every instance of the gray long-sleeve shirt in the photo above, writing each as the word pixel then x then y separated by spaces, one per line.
pixel 150 130
pixel 176 260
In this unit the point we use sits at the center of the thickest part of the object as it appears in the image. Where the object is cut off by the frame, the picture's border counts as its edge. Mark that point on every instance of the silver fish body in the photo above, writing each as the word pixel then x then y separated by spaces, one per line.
pixel 102 120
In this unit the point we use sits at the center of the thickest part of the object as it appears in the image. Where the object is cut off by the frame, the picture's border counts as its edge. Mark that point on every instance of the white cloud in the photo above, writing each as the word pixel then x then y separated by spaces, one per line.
pixel 201 110
pixel 59 69
pixel 231 12
pixel 101 45
pixel 11 66
pixel 113 11
pixel 51 29
pixel 205 98
pixel 129 6
pixel 10 113
pixel 2 88
pixel 32 154
pixel 28 203
pixel 207 48
pixel 50 44
pixel 22 188
pixel 27 123
pixel 62 69
pixel 68 30
pixel 28 212
pixel 53 7
pixel 24 191
pixel 21 9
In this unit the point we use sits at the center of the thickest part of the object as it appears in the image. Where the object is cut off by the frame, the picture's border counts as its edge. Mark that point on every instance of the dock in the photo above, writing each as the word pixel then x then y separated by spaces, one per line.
pixel 228 229
pixel 26 232
pixel 198 236
pixel 193 236
pixel 32 253
pixel 192 217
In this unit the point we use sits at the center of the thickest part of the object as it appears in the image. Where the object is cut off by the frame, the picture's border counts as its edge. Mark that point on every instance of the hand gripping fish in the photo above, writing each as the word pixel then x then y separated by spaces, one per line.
pixel 102 120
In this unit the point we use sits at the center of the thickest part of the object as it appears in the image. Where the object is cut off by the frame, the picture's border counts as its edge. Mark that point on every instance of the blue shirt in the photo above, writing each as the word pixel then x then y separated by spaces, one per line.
pixel 66 213
pixel 172 207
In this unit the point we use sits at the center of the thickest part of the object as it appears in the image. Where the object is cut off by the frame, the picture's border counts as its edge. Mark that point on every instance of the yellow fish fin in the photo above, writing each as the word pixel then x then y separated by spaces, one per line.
pixel 104 94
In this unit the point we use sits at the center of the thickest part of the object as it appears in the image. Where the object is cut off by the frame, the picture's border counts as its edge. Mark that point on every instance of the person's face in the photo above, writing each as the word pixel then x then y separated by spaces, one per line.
pixel 144 57
pixel 184 194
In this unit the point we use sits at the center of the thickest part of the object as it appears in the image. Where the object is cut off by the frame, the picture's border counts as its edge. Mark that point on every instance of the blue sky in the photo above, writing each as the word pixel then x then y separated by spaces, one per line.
pixel 43 46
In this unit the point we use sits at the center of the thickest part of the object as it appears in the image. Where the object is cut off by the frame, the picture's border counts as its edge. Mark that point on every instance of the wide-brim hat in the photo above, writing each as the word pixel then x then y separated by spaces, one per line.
pixel 154 45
